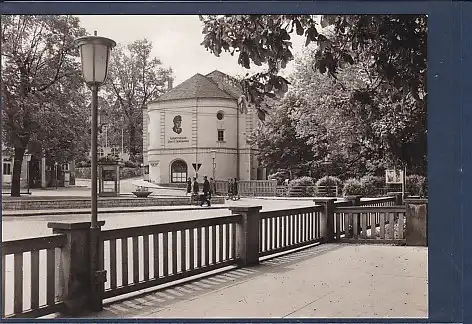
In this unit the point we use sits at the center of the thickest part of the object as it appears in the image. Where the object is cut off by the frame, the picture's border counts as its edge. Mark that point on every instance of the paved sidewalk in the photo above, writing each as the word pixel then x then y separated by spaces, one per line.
pixel 329 280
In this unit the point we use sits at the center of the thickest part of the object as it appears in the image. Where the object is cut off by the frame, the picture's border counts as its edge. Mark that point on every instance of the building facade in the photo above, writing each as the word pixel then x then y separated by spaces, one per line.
pixel 197 129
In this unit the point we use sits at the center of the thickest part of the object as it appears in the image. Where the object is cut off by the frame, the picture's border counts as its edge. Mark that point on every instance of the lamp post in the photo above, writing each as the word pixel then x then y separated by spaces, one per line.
pixel 55 172
pixel 94 54
pixel 213 156
pixel 28 160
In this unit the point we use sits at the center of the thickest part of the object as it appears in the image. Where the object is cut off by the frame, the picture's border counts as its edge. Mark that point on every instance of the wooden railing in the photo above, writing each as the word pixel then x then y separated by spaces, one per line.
pixel 30 277
pixel 284 230
pixel 379 202
pixel 385 224
pixel 141 257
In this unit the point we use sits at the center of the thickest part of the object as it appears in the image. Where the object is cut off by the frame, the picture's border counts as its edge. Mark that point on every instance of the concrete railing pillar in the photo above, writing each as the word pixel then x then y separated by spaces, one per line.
pixel 416 222
pixel 247 234
pixel 74 266
pixel 398 197
pixel 327 218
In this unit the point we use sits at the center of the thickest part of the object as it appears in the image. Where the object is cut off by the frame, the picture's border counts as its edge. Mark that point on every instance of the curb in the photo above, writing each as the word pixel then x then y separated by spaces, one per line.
pixel 52 212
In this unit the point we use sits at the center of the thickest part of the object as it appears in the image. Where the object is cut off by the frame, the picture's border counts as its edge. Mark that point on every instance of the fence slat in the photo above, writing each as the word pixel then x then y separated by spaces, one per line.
pixel 146 256
pixel 124 261
pixel 338 225
pixel 265 224
pixel 207 246
pixel 113 263
pixel 183 250
pixel 363 225
pixel 400 225
pixel 18 283
pixel 50 277
pixel 220 246
pixel 373 225
pixel 280 226
pixel 213 244
pixel 3 283
pixel 135 259
pixel 285 225
pixel 165 257
pixel 355 227
pixel 174 252
pixel 382 225
pixel 191 238
pixel 233 241
pixel 392 225
pixel 199 247
pixel 270 236
pixel 228 240
pixel 155 238
pixel 34 279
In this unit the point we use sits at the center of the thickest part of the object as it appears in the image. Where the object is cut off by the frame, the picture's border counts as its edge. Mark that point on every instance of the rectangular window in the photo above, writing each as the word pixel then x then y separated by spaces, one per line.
pixel 221 135
pixel 7 168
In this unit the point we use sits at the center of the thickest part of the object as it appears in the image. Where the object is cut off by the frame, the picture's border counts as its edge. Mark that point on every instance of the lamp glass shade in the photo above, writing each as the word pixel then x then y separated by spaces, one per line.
pixel 94 62
pixel 94 54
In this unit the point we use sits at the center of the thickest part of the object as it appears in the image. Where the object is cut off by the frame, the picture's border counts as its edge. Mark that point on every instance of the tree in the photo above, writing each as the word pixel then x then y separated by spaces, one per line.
pixel 394 46
pixel 135 79
pixel 280 147
pixel 40 75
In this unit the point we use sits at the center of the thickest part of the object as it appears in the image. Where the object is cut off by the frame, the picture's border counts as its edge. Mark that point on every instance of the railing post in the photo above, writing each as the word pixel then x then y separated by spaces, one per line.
pixel 247 234
pixel 327 218
pixel 398 197
pixel 74 266
pixel 416 222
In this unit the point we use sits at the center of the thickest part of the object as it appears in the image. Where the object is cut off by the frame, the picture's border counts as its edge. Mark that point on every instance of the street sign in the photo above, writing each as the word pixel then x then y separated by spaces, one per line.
pixel 394 176
pixel 196 166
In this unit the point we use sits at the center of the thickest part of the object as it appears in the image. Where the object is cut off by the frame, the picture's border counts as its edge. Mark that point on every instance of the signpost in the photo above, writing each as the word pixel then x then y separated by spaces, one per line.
pixel 394 176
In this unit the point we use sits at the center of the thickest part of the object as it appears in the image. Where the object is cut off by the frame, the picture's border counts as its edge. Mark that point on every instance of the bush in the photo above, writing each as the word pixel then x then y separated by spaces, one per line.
pixel 304 183
pixel 353 187
pixel 417 185
pixel 130 164
pixel 330 181
pixel 370 185
pixel 279 176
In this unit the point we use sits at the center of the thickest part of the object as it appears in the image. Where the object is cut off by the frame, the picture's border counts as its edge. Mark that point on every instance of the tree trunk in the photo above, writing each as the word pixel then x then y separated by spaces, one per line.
pixel 16 177
pixel 132 141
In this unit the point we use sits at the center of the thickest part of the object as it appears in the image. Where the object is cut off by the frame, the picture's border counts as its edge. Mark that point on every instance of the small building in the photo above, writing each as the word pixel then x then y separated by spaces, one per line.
pixel 197 129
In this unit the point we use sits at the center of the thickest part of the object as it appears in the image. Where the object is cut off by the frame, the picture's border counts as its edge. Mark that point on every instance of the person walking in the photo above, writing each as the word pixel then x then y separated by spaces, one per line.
pixel 235 189
pixel 195 186
pixel 189 186
pixel 206 192
pixel 230 189
pixel 212 187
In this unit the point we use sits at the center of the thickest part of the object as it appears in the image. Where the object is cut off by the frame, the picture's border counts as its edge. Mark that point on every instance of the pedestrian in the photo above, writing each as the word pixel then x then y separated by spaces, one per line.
pixel 195 188
pixel 212 187
pixel 189 186
pixel 230 189
pixel 206 192
pixel 235 189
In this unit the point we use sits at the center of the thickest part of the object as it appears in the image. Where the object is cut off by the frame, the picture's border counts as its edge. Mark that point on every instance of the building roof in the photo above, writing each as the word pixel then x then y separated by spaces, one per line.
pixel 213 85
pixel 198 86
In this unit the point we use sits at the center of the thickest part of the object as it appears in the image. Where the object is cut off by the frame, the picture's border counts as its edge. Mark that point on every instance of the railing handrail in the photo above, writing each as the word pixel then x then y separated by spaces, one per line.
pixel 167 227
pixel 375 209
pixel 378 200
pixel 281 212
pixel 33 244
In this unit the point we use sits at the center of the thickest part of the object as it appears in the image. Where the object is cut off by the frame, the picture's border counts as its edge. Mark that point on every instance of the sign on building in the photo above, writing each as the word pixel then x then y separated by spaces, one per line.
pixel 178 129
pixel 394 176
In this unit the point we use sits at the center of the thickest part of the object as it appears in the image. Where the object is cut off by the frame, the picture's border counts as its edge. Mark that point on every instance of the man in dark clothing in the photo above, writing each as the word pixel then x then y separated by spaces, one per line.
pixel 189 186
pixel 206 192
pixel 235 189
pixel 195 187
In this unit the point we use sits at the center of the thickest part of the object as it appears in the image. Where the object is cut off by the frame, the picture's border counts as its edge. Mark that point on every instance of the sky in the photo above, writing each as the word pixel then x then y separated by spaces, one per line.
pixel 176 42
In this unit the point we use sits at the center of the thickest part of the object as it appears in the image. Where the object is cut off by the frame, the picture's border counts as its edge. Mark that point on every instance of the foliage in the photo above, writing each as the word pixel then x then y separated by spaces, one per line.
pixel 329 181
pixel 280 147
pixel 131 164
pixel 383 109
pixel 370 185
pixel 279 176
pixel 304 183
pixel 42 89
pixel 353 187
pixel 135 78
pixel 417 185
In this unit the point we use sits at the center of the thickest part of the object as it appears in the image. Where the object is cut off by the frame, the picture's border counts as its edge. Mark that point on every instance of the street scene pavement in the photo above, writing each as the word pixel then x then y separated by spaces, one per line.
pixel 328 280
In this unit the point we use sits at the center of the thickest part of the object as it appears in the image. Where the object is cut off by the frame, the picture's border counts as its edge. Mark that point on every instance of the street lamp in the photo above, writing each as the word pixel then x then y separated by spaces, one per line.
pixel 94 55
pixel 28 160
pixel 213 156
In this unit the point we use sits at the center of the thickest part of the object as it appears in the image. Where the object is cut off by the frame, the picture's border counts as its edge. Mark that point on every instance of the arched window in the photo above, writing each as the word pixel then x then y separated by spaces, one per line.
pixel 178 171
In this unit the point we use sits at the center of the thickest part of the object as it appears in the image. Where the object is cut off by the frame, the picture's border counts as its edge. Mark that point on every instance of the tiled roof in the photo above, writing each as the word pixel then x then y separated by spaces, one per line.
pixel 198 86
pixel 226 83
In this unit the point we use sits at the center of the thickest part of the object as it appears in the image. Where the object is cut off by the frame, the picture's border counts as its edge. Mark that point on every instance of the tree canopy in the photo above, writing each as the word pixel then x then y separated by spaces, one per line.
pixel 42 89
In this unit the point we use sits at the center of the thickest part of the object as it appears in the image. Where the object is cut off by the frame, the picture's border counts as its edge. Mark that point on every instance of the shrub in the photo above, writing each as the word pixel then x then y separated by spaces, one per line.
pixel 330 181
pixel 417 185
pixel 370 185
pixel 304 183
pixel 131 164
pixel 279 176
pixel 353 187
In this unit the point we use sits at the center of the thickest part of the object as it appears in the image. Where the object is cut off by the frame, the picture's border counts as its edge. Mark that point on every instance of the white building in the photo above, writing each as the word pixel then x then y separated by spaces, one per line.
pixel 198 123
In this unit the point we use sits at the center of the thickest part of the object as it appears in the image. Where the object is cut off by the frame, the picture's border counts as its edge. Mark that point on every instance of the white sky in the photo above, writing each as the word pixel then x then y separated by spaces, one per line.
pixel 176 42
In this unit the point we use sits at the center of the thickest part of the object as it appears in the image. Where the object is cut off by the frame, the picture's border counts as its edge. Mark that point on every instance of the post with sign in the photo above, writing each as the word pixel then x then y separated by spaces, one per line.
pixel 196 167
pixel 394 176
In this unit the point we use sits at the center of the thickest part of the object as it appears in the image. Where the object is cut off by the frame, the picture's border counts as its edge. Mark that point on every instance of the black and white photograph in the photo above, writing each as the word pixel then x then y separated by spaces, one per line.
pixel 214 166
